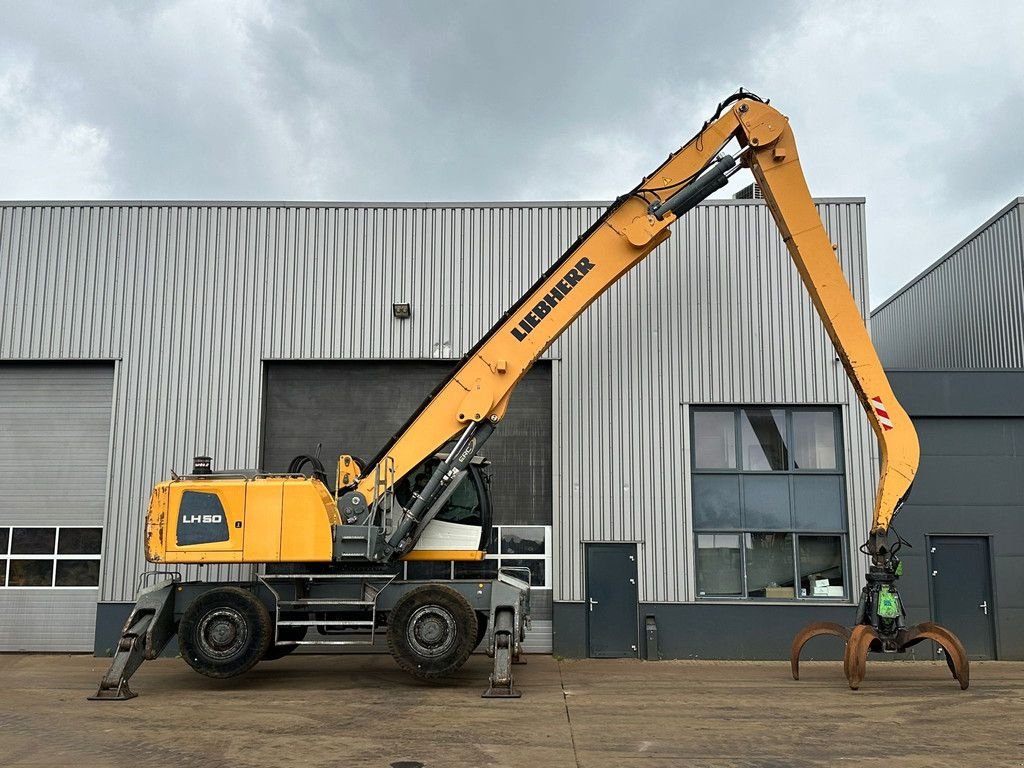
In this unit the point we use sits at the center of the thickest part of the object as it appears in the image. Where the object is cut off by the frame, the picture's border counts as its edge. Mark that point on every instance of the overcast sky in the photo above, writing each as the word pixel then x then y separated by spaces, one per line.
pixel 915 106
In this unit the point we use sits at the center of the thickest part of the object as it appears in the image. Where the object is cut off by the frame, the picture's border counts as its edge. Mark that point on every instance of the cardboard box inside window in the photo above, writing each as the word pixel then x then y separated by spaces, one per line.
pixel 779 592
pixel 822 588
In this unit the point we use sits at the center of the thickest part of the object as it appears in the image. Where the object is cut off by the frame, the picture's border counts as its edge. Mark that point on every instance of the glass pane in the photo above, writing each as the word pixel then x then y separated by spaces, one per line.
pixel 428 569
pixel 492 541
pixel 716 502
pixel 3 573
pixel 814 440
pixel 5 535
pixel 79 541
pixel 536 569
pixel 78 573
pixel 464 505
pixel 766 502
pixel 763 439
pixel 414 481
pixel 719 570
pixel 818 503
pixel 821 566
pixel 714 439
pixel 770 570
pixel 33 541
pixel 484 569
pixel 31 573
pixel 522 540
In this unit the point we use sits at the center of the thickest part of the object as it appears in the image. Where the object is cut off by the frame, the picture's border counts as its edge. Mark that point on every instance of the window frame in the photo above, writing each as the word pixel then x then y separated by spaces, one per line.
pixel 52 557
pixel 737 410
pixel 844 553
pixel 499 556
pixel 790 473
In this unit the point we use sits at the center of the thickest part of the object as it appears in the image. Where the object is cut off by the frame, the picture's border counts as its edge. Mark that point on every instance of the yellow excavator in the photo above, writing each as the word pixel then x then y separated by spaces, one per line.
pixel 329 556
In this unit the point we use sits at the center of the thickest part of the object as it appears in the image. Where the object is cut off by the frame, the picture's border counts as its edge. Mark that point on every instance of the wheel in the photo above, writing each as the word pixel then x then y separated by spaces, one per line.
pixel 287 634
pixel 224 632
pixel 432 631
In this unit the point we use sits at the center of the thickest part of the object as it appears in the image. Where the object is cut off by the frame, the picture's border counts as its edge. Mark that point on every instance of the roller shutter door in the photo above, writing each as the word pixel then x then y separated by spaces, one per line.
pixel 54 446
pixel 356 406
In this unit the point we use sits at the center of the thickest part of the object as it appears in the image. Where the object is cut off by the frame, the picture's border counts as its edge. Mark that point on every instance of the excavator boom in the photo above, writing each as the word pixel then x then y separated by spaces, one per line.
pixel 479 390
pixel 474 399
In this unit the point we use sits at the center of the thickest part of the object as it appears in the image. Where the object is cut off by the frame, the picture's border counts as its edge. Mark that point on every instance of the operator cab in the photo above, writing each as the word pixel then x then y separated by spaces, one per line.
pixel 464 522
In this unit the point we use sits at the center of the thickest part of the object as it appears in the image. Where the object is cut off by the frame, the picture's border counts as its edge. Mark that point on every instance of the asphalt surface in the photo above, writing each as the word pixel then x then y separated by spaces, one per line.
pixel 362 711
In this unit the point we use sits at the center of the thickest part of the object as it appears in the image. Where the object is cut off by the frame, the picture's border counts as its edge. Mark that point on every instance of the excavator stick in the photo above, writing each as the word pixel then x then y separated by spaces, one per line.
pixel 813 630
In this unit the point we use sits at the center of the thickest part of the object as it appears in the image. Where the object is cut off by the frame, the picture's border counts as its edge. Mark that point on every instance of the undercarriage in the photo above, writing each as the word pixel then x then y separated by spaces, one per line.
pixel 224 629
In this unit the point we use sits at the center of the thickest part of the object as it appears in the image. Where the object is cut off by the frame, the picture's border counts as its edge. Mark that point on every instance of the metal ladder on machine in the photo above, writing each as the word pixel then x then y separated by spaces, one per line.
pixel 370 586
pixel 357 546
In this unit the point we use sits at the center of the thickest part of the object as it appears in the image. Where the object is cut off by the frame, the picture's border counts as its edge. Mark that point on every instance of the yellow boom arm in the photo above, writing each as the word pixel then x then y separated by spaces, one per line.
pixel 479 389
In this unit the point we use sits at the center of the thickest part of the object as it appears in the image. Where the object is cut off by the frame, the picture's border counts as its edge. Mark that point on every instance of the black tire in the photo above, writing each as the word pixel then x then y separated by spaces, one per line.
pixel 289 635
pixel 432 631
pixel 224 632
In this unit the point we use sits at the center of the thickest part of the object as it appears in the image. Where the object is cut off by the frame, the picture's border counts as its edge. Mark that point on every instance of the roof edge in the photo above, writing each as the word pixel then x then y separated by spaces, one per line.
pixel 364 204
pixel 1014 203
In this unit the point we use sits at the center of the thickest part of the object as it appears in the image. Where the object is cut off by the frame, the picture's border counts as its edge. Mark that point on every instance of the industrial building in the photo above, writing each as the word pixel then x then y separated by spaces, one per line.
pixel 952 341
pixel 693 434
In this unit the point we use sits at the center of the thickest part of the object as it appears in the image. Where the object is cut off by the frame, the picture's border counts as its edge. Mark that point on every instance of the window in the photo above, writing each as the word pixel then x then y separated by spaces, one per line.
pixel 38 556
pixel 509 546
pixel 714 439
pixel 769 510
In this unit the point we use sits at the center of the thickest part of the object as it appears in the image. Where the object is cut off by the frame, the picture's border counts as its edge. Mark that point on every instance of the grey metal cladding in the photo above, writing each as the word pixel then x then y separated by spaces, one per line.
pixel 966 311
pixel 54 443
pixel 54 448
pixel 47 619
pixel 189 298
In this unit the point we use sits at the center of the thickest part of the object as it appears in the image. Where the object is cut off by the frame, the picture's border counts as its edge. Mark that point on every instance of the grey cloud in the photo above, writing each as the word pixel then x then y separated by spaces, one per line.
pixel 498 101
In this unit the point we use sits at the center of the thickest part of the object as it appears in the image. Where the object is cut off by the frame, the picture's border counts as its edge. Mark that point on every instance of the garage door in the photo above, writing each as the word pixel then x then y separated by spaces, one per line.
pixel 54 438
pixel 356 406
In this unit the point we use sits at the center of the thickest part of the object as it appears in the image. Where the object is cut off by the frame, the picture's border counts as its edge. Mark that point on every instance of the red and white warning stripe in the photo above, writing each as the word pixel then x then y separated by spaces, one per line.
pixel 881 413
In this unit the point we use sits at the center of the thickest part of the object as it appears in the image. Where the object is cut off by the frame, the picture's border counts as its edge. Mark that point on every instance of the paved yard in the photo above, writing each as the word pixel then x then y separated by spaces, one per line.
pixel 361 711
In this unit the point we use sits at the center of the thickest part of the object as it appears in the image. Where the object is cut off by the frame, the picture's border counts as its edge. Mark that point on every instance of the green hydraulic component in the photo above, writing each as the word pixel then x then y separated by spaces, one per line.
pixel 888 603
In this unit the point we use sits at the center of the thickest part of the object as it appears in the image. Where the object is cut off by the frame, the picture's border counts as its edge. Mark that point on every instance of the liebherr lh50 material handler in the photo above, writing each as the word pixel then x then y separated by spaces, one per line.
pixel 330 554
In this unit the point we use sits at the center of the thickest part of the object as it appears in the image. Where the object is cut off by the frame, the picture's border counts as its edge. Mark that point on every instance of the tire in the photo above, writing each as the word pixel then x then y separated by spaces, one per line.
pixel 432 631
pixel 224 632
pixel 288 634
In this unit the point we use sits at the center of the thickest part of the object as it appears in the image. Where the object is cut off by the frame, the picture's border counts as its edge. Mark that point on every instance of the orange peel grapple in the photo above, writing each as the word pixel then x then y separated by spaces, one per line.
pixel 880 624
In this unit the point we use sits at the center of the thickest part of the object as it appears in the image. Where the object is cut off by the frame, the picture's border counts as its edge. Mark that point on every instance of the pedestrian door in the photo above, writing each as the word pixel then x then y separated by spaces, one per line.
pixel 961 590
pixel 612 624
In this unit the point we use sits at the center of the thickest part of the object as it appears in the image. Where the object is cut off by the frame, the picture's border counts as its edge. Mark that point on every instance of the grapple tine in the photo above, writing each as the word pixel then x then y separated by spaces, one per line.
pixel 855 659
pixel 805 634
pixel 956 655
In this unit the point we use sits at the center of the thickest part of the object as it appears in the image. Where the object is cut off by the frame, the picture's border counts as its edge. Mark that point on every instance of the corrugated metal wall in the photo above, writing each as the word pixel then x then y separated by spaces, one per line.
pixel 189 299
pixel 54 441
pixel 54 446
pixel 967 310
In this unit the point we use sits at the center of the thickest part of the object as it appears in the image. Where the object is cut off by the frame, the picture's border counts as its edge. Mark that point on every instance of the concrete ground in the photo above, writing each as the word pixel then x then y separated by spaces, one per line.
pixel 358 711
